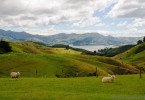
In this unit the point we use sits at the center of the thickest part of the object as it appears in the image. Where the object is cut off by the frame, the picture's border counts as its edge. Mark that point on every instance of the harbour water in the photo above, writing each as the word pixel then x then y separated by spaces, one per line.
pixel 94 48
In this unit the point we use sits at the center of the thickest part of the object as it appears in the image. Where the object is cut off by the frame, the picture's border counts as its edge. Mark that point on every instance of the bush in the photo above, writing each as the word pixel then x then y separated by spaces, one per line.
pixel 140 49
pixel 4 47
pixel 139 42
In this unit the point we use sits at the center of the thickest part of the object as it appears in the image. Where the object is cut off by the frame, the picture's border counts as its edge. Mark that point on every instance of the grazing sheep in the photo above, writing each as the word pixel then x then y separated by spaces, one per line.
pixel 108 79
pixel 15 75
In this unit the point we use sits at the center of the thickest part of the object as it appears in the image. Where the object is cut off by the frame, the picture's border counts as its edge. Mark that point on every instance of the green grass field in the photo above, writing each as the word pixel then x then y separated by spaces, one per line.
pixel 125 87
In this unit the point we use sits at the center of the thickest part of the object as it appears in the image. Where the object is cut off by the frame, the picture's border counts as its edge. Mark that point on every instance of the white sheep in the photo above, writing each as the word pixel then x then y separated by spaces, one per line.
pixel 15 75
pixel 108 79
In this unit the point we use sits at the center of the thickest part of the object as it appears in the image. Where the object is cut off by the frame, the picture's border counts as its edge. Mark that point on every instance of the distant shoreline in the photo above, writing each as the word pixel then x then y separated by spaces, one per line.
pixel 94 48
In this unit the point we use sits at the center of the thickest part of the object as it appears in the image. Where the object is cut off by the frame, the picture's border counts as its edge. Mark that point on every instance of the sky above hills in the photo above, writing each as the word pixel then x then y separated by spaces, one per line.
pixel 47 17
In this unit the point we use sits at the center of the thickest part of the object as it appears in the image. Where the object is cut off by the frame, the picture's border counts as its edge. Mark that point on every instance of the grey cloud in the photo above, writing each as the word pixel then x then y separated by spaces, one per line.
pixel 141 1
pixel 137 13
pixel 80 2
pixel 11 7
pixel 45 11
pixel 48 12
pixel 27 18
pixel 128 9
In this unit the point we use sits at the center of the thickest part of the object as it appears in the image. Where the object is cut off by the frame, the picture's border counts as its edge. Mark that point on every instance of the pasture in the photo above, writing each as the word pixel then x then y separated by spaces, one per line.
pixel 125 87
pixel 51 65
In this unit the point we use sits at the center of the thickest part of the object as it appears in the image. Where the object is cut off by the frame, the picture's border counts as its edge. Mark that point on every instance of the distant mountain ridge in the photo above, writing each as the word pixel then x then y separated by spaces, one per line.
pixel 63 38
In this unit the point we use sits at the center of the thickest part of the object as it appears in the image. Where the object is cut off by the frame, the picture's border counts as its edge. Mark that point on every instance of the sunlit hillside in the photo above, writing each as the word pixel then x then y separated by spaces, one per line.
pixel 33 59
pixel 34 48
pixel 134 56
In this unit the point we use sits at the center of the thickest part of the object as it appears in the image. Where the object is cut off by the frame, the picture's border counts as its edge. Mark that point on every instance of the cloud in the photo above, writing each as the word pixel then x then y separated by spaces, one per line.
pixel 91 21
pixel 122 24
pixel 128 9
pixel 31 13
pixel 34 15
pixel 137 23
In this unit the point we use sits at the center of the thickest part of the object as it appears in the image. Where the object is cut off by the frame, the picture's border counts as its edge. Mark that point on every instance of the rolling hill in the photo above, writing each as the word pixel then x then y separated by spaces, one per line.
pixel 134 56
pixel 34 48
pixel 34 60
pixel 110 52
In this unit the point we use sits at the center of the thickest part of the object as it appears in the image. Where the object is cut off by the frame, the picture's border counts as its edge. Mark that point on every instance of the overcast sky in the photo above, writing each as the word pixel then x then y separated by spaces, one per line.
pixel 47 17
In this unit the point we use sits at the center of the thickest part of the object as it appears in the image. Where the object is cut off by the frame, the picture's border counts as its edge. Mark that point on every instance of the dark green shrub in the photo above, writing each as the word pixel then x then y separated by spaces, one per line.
pixel 4 47
pixel 140 49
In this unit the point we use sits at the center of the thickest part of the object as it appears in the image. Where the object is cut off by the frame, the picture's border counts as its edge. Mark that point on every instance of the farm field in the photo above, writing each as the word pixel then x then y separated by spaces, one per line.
pixel 60 74
pixel 125 87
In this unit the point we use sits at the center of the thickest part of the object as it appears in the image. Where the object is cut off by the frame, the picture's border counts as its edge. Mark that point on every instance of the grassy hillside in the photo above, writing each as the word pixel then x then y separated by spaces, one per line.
pixel 34 48
pixel 128 87
pixel 110 52
pixel 60 65
pixel 134 56
pixel 34 60
pixel 45 65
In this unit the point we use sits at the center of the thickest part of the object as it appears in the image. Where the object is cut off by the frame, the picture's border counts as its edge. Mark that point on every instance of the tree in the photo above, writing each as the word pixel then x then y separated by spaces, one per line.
pixel 144 39
pixel 139 41
pixel 95 52
pixel 4 47
pixel 67 47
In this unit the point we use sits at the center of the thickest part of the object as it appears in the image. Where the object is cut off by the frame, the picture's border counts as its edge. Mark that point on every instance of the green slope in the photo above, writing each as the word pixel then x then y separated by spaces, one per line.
pixel 34 60
pixel 34 48
pixel 60 65
pixel 134 56
pixel 110 52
